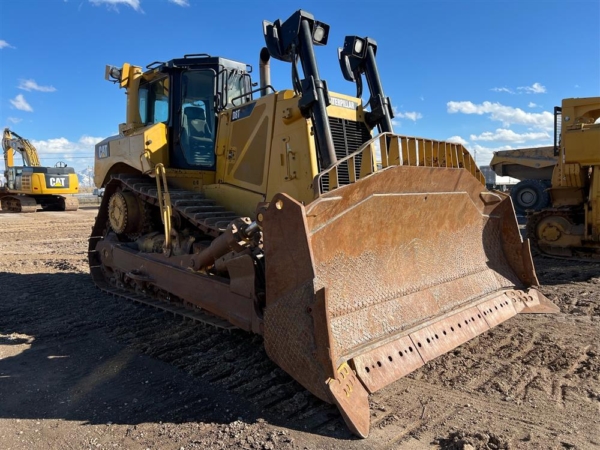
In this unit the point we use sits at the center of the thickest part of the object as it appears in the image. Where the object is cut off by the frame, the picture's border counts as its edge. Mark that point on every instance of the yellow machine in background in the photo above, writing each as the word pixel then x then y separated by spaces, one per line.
pixel 32 186
pixel 534 167
pixel 271 215
pixel 571 226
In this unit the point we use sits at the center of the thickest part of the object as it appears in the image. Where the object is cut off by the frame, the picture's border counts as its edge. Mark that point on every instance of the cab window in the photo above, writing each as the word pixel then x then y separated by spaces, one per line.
pixel 154 101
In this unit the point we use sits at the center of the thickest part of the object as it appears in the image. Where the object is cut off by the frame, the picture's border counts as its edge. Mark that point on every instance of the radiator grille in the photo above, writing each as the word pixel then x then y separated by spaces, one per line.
pixel 557 129
pixel 348 136
pixel 26 182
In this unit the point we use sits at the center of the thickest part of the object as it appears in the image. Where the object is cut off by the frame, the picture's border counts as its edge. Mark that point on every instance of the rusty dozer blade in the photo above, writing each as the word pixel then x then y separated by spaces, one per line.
pixel 376 278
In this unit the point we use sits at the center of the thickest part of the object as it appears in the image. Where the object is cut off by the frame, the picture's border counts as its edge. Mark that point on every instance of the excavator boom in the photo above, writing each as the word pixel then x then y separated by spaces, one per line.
pixel 12 141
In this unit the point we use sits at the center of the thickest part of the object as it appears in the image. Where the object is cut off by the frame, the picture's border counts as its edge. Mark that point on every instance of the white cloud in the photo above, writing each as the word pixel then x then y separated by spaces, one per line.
pixel 14 119
pixel 78 154
pixel 135 4
pixel 504 135
pixel 410 115
pixel 180 2
pixel 20 103
pixel 502 89
pixel 576 86
pixel 532 105
pixel 457 140
pixel 505 114
pixel 4 44
pixel 89 140
pixel 31 85
pixel 483 155
pixel 535 88
pixel 65 147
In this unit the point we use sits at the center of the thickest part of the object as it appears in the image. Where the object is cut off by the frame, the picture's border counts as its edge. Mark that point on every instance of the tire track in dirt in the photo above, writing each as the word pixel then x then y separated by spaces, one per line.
pixel 538 422
pixel 213 355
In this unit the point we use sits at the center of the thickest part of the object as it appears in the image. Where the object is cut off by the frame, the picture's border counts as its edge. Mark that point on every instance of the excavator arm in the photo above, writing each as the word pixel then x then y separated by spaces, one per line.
pixel 12 141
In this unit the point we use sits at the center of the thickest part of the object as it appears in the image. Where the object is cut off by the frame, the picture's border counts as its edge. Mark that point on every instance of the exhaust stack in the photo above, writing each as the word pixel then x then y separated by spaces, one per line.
pixel 264 69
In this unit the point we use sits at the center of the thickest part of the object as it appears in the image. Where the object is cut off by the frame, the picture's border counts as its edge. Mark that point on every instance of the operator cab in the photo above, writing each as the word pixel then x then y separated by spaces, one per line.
pixel 187 94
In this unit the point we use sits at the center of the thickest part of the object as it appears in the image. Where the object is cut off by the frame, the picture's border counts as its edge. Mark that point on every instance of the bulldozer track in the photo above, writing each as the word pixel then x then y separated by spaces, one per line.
pixel 195 315
pixel 531 227
pixel 203 213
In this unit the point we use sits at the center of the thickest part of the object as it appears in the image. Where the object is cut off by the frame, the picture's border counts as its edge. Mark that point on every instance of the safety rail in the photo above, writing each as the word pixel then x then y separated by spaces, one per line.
pixel 164 202
pixel 396 150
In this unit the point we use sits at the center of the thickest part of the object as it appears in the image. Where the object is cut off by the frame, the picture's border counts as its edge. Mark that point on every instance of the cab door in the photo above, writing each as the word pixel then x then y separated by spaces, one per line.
pixel 194 121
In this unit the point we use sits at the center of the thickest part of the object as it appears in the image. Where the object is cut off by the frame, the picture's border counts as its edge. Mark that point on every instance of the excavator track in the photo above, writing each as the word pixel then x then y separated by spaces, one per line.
pixel 18 204
pixel 203 213
pixel 569 253
pixel 70 203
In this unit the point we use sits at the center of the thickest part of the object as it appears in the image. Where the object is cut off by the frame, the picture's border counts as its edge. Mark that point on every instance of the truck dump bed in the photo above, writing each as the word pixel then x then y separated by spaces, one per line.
pixel 533 163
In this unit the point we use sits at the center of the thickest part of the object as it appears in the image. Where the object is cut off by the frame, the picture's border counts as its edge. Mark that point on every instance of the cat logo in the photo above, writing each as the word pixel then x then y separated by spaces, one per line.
pixel 57 181
pixel 103 151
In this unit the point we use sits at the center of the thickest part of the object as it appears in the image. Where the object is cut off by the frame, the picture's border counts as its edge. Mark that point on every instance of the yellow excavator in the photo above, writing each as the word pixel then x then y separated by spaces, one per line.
pixel 358 258
pixel 570 227
pixel 31 186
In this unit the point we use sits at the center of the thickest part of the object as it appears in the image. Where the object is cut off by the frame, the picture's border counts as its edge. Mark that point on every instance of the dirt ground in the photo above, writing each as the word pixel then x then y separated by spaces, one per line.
pixel 80 369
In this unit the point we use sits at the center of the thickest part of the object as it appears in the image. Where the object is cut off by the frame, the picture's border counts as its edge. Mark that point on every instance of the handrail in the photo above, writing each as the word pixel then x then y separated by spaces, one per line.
pixel 164 201
pixel 398 150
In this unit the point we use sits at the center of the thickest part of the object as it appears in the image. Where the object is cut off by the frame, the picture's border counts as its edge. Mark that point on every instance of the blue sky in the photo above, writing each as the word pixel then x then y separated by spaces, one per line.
pixel 485 73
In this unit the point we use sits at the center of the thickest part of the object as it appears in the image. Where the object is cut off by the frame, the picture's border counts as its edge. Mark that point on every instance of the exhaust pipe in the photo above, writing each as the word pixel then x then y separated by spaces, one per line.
pixel 264 69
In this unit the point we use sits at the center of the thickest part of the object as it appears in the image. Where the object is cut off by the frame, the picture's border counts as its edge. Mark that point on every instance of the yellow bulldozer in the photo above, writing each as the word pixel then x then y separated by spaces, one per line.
pixel 358 254
pixel 570 227
pixel 31 186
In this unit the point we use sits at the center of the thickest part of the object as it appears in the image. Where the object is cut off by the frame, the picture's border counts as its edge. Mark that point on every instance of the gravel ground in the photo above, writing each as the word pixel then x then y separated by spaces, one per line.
pixel 80 369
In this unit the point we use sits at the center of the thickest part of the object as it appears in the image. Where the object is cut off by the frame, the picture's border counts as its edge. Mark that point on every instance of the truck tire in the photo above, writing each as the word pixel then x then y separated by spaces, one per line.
pixel 530 195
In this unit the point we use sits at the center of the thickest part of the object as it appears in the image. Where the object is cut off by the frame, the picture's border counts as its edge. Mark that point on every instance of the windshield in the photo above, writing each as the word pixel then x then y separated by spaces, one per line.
pixel 198 117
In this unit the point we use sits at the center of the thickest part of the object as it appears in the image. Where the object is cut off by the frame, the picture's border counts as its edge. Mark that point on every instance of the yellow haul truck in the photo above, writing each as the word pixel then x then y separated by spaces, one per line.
pixel 32 186
pixel 533 166
pixel 570 227
pixel 271 214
